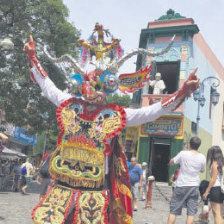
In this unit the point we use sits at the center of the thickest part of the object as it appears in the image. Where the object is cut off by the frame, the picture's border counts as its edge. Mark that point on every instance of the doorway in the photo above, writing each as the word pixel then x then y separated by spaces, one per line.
pixel 159 158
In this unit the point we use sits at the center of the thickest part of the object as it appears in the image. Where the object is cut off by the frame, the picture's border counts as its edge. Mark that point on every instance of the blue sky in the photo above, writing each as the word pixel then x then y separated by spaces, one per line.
pixel 126 18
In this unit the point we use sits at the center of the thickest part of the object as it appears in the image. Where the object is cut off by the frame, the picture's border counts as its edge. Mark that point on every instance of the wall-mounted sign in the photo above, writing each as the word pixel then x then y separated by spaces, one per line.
pixel 20 135
pixel 164 126
pixel 130 139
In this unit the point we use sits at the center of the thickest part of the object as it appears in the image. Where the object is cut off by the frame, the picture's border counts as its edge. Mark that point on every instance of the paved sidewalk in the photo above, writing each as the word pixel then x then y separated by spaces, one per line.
pixel 16 208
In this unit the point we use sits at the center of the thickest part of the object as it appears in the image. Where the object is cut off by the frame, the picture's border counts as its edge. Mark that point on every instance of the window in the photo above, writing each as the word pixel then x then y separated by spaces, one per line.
pixel 169 74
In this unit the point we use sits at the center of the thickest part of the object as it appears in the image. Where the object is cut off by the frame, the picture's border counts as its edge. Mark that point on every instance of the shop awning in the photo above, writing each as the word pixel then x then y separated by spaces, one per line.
pixel 9 157
pixel 7 151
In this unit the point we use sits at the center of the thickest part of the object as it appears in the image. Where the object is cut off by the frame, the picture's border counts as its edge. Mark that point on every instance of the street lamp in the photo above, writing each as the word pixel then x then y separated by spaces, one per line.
pixel 199 95
pixel 6 44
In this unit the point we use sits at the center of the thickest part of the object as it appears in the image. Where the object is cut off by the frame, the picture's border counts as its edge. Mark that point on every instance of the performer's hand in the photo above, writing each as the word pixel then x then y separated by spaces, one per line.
pixel 30 48
pixel 191 84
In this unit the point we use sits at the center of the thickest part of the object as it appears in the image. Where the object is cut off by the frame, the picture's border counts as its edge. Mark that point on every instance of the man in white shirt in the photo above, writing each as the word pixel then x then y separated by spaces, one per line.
pixel 26 177
pixel 186 191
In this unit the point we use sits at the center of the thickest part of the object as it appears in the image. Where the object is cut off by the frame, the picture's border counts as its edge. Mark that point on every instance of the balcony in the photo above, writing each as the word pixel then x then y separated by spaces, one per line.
pixel 148 99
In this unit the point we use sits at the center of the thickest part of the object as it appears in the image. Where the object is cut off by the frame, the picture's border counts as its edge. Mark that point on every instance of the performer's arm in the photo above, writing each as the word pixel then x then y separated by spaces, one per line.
pixel 146 114
pixel 39 75
pixel 50 91
pixel 143 115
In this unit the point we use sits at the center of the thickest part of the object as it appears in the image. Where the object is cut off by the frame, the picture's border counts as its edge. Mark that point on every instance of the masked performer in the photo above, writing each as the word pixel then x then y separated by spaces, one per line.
pixel 89 167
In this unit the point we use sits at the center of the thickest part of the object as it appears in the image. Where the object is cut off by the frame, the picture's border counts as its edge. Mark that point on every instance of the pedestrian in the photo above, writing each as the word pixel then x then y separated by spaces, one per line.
pixel 26 175
pixel 215 163
pixel 135 173
pixel 3 140
pixel 144 181
pixel 186 191
pixel 6 174
pixel 44 177
pixel 17 171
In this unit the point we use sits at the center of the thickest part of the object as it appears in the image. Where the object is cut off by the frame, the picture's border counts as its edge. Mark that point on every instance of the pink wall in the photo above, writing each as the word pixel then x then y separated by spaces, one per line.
pixel 167 39
pixel 172 22
pixel 208 53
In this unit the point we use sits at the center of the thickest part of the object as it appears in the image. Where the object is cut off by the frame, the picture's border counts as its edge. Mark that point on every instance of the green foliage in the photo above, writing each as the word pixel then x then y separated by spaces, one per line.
pixel 123 100
pixel 47 21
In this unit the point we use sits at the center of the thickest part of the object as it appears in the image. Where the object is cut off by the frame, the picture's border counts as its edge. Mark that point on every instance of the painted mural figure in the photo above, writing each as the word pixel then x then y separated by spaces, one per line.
pixel 89 166
pixel 157 84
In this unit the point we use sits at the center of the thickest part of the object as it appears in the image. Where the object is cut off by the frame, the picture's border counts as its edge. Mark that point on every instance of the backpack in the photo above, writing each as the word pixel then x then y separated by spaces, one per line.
pixel 44 172
pixel 203 186
pixel 24 171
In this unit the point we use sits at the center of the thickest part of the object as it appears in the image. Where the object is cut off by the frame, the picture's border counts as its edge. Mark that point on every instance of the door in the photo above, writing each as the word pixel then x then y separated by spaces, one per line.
pixel 159 158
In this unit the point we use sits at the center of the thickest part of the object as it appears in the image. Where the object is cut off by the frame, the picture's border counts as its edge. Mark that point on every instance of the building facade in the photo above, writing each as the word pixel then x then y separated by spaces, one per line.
pixel 162 139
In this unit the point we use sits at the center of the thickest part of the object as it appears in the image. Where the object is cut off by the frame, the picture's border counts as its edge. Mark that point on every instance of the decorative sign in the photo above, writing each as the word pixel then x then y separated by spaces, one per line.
pixel 20 135
pixel 130 139
pixel 164 126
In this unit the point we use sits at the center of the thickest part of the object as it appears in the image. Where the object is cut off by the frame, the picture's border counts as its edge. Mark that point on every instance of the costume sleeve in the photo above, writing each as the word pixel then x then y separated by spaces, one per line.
pixel 50 91
pixel 177 158
pixel 143 115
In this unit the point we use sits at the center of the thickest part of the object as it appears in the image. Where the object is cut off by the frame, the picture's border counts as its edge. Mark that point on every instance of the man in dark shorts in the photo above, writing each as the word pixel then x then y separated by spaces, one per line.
pixel 186 191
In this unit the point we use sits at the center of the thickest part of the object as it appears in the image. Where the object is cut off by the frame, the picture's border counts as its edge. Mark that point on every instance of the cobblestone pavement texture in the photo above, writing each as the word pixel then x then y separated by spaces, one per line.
pixel 16 208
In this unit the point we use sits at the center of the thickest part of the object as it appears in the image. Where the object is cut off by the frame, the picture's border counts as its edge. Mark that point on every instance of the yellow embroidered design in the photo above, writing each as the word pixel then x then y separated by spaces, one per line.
pixel 119 165
pixel 69 120
pixel 124 190
pixel 122 216
pixel 92 208
pixel 109 125
pixel 78 165
pixel 54 206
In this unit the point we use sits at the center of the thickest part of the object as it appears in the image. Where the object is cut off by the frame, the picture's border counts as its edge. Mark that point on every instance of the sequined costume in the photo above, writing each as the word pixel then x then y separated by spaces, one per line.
pixel 89 166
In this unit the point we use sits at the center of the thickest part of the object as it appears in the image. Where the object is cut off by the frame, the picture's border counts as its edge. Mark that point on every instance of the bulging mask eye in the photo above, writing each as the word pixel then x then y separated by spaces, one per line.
pixel 75 85
pixel 110 82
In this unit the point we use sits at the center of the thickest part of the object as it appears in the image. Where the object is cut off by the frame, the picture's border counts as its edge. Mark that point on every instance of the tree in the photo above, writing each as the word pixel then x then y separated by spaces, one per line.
pixel 47 21
pixel 123 100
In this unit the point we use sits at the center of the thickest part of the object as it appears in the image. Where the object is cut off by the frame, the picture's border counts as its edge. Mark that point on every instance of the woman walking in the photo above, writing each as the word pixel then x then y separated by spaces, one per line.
pixel 216 162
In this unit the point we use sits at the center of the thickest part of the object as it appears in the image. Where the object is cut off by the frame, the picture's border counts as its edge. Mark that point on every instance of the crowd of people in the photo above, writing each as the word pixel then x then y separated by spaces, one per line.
pixel 17 175
pixel 186 182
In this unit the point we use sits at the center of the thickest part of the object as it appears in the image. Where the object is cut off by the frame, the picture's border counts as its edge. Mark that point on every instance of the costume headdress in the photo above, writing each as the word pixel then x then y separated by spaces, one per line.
pixel 104 79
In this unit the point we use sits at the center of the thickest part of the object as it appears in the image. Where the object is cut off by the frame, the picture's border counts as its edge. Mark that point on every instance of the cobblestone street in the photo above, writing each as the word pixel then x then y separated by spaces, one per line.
pixel 16 208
